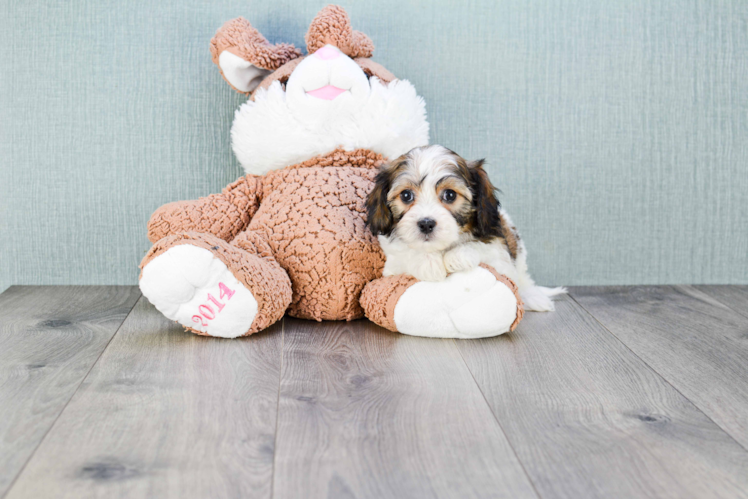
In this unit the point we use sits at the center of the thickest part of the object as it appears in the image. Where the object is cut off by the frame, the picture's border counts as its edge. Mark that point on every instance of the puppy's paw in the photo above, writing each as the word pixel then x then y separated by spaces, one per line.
pixel 461 258
pixel 431 268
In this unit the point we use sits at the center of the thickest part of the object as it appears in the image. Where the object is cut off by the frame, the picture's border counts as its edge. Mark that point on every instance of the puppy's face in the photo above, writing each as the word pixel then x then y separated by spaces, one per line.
pixel 432 199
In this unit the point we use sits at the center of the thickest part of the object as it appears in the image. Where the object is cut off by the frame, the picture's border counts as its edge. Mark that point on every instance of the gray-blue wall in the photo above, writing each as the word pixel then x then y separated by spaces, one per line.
pixel 617 130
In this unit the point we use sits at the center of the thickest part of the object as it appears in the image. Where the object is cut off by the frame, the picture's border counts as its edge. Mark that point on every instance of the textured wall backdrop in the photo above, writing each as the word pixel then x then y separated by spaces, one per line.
pixel 617 130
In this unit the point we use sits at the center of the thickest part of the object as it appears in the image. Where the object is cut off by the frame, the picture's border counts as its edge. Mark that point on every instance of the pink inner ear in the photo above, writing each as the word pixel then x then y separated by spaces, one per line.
pixel 328 92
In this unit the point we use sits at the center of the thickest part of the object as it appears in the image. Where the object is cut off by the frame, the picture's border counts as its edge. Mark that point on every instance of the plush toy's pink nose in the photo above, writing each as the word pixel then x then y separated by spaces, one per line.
pixel 327 52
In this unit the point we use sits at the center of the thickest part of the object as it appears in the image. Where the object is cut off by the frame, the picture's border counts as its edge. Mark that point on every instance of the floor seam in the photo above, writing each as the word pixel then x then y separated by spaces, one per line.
pixel 658 373
pixel 277 407
pixel 83 379
pixel 496 419
pixel 739 313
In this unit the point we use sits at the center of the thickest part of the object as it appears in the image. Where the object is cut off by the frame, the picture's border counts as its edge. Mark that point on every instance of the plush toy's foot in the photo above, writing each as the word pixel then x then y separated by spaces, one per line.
pixel 467 305
pixel 212 287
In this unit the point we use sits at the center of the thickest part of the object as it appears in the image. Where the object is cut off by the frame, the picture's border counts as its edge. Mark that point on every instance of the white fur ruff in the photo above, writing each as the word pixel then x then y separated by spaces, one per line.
pixel 391 120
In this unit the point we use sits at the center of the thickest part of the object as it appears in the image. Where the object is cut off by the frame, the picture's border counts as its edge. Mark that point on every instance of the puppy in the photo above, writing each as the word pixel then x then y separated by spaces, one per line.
pixel 436 213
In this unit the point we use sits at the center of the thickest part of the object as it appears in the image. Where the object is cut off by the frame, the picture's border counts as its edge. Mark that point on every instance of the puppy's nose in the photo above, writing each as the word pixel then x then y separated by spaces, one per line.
pixel 327 52
pixel 426 225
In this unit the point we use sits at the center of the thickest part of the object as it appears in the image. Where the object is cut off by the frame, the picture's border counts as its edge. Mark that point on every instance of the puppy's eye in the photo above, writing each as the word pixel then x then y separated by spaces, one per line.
pixel 449 196
pixel 407 196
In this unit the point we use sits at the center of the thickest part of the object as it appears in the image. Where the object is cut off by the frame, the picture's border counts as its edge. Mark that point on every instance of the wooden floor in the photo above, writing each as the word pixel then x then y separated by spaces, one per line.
pixel 622 392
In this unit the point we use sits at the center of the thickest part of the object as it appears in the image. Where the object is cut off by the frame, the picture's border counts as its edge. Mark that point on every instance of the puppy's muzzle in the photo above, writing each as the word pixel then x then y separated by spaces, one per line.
pixel 426 226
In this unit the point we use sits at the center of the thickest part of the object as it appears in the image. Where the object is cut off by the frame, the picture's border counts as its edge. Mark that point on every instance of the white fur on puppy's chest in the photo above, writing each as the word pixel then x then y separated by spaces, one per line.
pixel 401 259
pixel 461 258
pixel 434 266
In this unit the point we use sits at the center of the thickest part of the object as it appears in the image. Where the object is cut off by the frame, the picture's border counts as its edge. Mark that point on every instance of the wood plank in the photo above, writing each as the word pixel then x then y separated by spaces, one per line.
pixel 694 341
pixel 368 413
pixel 165 413
pixel 733 296
pixel 51 337
pixel 588 418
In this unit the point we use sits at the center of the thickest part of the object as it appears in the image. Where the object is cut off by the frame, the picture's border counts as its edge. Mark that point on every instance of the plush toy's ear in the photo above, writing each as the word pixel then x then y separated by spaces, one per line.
pixel 487 224
pixel 379 216
pixel 245 57
pixel 332 26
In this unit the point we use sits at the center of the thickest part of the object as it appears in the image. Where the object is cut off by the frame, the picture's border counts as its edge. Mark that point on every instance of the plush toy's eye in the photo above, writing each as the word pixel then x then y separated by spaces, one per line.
pixel 448 196
pixel 407 196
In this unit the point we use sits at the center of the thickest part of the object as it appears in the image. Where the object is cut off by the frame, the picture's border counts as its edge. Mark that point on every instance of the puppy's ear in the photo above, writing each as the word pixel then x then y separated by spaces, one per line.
pixel 486 224
pixel 380 219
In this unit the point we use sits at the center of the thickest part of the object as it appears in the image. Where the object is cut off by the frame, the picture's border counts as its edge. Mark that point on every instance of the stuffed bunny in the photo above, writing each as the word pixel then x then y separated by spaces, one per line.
pixel 290 237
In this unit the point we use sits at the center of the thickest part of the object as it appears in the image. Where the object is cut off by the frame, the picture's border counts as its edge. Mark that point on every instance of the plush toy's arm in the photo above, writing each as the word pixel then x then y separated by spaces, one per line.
pixel 223 215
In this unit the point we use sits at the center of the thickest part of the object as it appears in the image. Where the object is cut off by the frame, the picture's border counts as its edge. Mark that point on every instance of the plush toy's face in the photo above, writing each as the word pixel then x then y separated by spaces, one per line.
pixel 326 84
pixel 309 106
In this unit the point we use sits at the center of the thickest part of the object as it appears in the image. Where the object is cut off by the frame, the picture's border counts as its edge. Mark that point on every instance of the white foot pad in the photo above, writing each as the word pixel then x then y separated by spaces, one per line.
pixel 189 285
pixel 467 305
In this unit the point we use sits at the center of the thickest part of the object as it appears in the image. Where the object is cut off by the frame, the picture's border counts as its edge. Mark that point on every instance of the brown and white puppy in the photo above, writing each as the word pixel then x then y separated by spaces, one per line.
pixel 436 213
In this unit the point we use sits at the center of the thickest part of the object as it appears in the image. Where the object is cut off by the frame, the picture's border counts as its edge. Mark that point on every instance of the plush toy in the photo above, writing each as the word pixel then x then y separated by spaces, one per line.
pixel 290 237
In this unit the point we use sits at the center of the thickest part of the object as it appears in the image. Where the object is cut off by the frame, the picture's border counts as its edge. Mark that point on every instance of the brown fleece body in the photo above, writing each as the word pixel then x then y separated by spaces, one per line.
pixel 308 221
pixel 313 217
